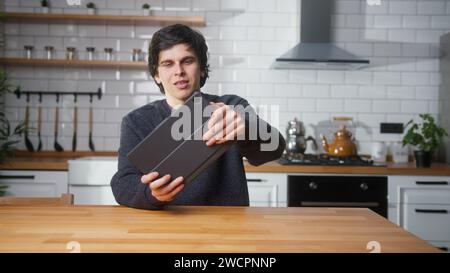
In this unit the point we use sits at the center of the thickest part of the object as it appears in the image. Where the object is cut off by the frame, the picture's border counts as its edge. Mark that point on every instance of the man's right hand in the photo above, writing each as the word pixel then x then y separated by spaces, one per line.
pixel 163 188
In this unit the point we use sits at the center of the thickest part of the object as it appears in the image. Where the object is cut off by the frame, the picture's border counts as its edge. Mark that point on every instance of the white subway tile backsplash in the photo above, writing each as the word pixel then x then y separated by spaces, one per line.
pixel 431 7
pixel 344 91
pixel 402 7
pixel 234 5
pixel 415 78
pixel 348 7
pixel 400 92
pixel 385 106
pixel 387 77
pixel 262 5
pixel 302 105
pixel 401 39
pixel 317 91
pixel 417 107
pixel 360 106
pixel 330 105
pixel 387 21
pixel 440 22
pixel 402 35
pixel 416 21
pixel 335 77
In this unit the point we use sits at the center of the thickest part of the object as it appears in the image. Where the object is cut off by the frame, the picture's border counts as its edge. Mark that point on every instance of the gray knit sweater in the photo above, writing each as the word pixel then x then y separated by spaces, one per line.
pixel 223 183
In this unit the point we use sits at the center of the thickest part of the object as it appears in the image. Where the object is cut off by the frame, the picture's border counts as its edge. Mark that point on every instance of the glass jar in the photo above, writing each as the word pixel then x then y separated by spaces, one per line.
pixel 400 153
pixel 49 52
pixel 90 55
pixel 28 51
pixel 70 53
pixel 108 55
pixel 136 55
pixel 379 152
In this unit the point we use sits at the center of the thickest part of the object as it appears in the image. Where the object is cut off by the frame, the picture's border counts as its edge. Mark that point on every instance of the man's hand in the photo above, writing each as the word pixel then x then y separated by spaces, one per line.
pixel 224 125
pixel 163 189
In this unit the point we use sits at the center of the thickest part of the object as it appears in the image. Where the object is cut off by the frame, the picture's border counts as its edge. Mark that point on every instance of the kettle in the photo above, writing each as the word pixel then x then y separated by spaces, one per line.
pixel 343 144
pixel 295 138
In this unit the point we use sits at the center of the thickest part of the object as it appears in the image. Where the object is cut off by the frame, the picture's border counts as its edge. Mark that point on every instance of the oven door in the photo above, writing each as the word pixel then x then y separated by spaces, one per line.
pixel 338 191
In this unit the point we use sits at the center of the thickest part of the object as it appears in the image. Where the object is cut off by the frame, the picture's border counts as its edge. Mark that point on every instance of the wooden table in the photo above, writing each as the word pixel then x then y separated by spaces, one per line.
pixel 200 229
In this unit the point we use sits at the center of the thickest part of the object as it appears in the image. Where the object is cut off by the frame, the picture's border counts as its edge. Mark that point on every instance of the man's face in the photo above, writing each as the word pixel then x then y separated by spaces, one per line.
pixel 178 72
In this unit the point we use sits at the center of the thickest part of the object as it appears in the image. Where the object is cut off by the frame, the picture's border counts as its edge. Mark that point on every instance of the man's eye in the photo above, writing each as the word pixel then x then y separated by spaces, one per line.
pixel 188 61
pixel 165 64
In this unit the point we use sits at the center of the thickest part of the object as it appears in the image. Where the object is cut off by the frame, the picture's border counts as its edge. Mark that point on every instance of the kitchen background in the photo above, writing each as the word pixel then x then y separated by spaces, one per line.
pixel 400 38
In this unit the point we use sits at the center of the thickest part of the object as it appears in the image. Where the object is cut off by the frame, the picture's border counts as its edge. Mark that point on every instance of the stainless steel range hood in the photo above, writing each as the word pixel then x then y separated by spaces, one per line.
pixel 315 50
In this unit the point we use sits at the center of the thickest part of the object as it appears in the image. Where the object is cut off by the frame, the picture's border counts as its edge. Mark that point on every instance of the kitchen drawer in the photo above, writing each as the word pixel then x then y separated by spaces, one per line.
pixel 426 196
pixel 398 184
pixel 34 183
pixel 445 246
pixel 429 222
pixel 266 194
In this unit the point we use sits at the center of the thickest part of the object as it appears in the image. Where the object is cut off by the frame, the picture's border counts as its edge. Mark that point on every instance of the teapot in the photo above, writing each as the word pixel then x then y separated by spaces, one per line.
pixel 343 144
pixel 295 138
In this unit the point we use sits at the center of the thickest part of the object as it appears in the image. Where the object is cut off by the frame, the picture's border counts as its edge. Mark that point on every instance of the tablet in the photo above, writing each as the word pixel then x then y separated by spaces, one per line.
pixel 164 152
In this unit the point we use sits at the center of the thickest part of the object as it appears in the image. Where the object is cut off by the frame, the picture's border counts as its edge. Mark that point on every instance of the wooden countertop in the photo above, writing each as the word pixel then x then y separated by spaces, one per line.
pixel 58 162
pixel 200 229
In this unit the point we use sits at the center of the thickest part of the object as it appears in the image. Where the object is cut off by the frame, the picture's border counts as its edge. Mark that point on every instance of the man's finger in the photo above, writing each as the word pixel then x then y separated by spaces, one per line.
pixel 147 178
pixel 170 187
pixel 171 195
pixel 160 182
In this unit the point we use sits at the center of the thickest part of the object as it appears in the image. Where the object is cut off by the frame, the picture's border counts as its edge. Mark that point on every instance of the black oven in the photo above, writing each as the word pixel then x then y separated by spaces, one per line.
pixel 338 191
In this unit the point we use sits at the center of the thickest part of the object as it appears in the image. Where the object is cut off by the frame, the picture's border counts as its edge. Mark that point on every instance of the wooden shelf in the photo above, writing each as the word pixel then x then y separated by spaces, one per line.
pixel 102 19
pixel 74 63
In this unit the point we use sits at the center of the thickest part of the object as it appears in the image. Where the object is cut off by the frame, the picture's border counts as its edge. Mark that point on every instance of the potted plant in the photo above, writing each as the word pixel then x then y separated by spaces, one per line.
pixel 146 9
pixel 91 8
pixel 8 136
pixel 426 137
pixel 45 6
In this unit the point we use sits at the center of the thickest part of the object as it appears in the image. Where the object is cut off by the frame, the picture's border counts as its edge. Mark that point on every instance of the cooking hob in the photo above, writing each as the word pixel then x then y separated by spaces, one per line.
pixel 326 160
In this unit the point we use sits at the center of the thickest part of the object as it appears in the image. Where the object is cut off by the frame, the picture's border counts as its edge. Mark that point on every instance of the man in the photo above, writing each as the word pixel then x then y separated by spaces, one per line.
pixel 179 65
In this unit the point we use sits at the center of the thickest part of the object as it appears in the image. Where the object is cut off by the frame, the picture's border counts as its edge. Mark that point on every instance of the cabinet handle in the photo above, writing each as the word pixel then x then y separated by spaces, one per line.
pixel 254 180
pixel 444 248
pixel 443 211
pixel 431 182
pixel 16 176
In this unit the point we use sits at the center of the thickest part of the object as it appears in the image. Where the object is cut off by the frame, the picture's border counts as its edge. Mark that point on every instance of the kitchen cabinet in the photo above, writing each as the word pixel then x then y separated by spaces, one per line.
pixel 267 189
pixel 421 205
pixel 74 63
pixel 32 183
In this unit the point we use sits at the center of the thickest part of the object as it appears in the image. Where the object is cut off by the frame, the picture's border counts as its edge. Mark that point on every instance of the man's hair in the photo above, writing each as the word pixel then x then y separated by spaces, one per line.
pixel 169 36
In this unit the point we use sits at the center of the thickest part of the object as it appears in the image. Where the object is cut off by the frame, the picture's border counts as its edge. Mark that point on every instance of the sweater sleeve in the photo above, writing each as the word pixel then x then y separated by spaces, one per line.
pixel 263 142
pixel 126 183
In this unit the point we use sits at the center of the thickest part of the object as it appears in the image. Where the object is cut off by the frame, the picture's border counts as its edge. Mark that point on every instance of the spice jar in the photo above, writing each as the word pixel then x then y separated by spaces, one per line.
pixel 49 52
pixel 29 51
pixel 70 54
pixel 90 51
pixel 108 51
pixel 136 55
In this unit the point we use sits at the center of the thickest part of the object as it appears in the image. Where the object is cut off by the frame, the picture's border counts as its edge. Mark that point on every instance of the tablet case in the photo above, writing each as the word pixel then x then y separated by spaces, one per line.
pixel 160 152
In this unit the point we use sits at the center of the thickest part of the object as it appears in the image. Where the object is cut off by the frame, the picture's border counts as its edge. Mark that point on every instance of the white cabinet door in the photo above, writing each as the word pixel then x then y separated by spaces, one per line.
pixel 267 189
pixel 421 205
pixel 32 183
pixel 429 222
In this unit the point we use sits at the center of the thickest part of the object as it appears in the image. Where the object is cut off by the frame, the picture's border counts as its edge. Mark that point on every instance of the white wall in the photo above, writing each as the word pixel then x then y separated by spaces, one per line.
pixel 399 37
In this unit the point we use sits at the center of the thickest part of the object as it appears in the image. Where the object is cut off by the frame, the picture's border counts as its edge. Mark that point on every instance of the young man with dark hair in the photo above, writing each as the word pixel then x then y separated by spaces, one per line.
pixel 178 63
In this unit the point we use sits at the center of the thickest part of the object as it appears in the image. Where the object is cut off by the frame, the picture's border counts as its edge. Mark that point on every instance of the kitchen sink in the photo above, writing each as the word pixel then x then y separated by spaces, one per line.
pixel 89 180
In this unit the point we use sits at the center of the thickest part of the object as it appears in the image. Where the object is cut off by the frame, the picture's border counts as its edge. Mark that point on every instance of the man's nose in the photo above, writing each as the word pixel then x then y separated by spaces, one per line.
pixel 179 69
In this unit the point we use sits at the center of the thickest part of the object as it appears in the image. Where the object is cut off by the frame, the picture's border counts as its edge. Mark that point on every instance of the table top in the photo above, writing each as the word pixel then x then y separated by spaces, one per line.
pixel 201 229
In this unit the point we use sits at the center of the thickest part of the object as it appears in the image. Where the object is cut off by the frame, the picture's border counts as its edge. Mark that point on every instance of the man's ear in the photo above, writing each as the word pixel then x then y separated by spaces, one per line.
pixel 157 79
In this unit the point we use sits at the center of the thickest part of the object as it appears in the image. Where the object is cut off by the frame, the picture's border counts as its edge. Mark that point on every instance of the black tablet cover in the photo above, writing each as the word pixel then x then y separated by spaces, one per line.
pixel 186 157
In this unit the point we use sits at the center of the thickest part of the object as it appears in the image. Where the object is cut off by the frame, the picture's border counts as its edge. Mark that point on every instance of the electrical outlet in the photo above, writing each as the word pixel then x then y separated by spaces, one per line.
pixel 391 128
